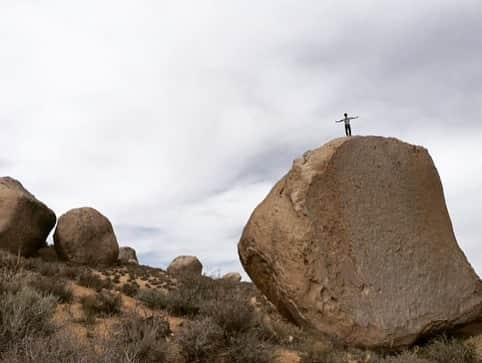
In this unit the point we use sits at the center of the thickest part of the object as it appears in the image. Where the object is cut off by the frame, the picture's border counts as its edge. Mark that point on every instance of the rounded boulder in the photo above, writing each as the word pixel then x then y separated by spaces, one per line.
pixel 185 265
pixel 85 236
pixel 25 222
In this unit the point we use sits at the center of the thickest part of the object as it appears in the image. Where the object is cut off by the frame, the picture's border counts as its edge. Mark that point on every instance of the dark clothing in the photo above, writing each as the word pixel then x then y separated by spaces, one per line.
pixel 348 130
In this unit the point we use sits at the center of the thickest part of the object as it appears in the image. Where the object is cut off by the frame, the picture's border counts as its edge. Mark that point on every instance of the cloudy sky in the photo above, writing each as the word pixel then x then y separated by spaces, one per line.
pixel 175 118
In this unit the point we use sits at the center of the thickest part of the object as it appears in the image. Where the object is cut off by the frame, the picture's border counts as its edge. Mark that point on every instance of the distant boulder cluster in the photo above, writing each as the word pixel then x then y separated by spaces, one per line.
pixel 82 235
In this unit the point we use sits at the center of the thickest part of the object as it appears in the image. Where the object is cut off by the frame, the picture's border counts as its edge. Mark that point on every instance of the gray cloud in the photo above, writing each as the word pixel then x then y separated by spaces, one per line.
pixel 176 118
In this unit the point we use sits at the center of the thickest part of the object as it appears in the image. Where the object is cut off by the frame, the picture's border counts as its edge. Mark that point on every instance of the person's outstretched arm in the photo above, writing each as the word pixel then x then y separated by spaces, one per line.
pixel 340 120
pixel 352 118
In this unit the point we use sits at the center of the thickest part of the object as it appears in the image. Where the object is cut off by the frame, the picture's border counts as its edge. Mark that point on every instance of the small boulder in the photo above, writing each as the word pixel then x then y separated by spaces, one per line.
pixel 25 222
pixel 85 236
pixel 232 277
pixel 184 265
pixel 127 255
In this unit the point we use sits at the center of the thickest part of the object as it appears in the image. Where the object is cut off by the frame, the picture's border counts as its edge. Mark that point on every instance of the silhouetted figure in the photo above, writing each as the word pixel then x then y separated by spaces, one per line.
pixel 347 123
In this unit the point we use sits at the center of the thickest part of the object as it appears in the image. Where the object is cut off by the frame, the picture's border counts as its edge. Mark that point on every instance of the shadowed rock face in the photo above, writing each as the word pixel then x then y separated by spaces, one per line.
pixel 25 222
pixel 356 242
pixel 85 236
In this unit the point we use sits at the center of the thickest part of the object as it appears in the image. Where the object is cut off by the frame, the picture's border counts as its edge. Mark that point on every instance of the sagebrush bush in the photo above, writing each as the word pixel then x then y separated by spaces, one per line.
pixel 196 292
pixel 58 348
pixel 249 348
pixel 10 280
pixel 23 314
pixel 53 286
pixel 102 304
pixel 201 340
pixel 404 357
pixel 143 339
pixel 10 262
pixel 154 299
pixel 449 350
pixel 88 279
pixel 130 289
pixel 232 315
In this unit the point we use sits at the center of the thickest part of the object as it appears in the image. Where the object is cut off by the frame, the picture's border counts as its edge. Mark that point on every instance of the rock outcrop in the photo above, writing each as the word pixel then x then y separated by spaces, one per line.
pixel 184 265
pixel 25 222
pixel 85 236
pixel 355 242
pixel 128 255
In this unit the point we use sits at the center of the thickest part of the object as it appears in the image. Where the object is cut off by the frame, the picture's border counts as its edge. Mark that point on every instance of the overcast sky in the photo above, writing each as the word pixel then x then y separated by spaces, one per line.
pixel 175 118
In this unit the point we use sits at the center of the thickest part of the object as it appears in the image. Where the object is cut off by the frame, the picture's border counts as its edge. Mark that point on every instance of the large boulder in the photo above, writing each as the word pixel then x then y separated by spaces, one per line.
pixel 25 222
pixel 355 242
pixel 128 255
pixel 85 236
pixel 185 265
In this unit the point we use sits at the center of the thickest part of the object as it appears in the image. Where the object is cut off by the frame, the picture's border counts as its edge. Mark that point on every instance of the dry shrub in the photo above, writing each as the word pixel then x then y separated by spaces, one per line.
pixel 130 289
pixel 229 313
pixel 52 269
pixel 449 350
pixel 10 262
pixel 23 314
pixel 10 280
pixel 404 357
pixel 58 348
pixel 249 348
pixel 88 279
pixel 198 293
pixel 154 299
pixel 102 304
pixel 143 339
pixel 201 340
pixel 55 287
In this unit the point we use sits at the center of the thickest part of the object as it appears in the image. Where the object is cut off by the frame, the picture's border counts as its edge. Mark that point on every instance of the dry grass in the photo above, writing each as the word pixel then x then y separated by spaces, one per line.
pixel 218 320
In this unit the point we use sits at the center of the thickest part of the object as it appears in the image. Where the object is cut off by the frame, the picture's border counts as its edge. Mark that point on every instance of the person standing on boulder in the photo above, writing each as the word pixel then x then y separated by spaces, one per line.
pixel 347 123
